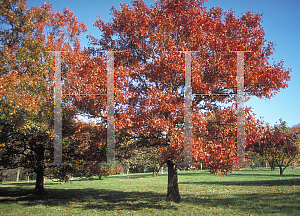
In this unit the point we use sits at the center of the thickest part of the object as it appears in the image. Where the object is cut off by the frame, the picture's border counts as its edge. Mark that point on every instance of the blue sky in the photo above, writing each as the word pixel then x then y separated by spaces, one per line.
pixel 281 22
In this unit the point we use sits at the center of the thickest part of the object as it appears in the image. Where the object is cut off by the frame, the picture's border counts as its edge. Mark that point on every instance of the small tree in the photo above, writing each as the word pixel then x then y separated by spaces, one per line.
pixel 288 149
pixel 256 159
pixel 278 146
pixel 148 158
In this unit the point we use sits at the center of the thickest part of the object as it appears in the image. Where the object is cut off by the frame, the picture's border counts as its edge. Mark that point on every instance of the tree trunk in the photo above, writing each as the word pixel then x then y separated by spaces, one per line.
pixel 272 164
pixel 173 191
pixel 156 171
pixel 272 167
pixel 281 170
pixel 39 184
pixel 127 168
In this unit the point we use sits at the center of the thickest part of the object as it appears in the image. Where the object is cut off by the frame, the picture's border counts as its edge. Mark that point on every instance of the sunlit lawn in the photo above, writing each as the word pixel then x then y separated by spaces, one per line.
pixel 245 192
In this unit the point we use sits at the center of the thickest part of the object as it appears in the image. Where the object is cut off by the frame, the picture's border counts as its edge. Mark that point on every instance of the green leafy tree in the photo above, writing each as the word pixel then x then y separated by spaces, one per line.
pixel 27 37
pixel 148 159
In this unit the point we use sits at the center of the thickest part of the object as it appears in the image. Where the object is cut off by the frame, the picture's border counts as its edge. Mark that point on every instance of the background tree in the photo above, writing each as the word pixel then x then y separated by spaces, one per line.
pixel 289 145
pixel 84 146
pixel 255 159
pixel 296 128
pixel 278 146
pixel 28 35
pixel 148 159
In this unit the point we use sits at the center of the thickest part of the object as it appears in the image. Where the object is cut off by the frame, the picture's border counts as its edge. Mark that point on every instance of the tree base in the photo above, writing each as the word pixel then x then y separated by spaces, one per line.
pixel 39 191
pixel 173 191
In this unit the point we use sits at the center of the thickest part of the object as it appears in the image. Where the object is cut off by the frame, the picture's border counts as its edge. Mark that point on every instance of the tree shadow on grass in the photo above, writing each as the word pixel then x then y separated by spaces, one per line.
pixel 89 198
pixel 282 182
pixel 192 173
pixel 25 184
pixel 135 176
pixel 17 184
pixel 13 193
pixel 260 175
pixel 252 204
pixel 118 176
pixel 238 173
pixel 110 200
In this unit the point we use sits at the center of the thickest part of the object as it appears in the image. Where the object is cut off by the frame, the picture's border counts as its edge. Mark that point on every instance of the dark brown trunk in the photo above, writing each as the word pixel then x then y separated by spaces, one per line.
pixel 173 191
pixel 272 164
pixel 281 170
pixel 39 184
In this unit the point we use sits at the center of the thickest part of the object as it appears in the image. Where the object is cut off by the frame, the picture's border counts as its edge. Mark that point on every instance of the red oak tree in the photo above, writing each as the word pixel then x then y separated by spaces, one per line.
pixel 149 78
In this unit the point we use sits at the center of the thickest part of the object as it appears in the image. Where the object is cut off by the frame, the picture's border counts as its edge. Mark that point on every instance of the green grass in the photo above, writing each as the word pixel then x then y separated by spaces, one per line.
pixel 245 192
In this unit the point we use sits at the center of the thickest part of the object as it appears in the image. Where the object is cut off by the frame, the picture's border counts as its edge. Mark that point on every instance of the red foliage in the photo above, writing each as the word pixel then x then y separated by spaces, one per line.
pixel 278 145
pixel 150 80
pixel 296 128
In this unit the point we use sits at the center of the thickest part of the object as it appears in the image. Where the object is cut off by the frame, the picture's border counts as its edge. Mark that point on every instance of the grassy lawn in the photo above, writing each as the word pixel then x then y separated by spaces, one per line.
pixel 245 192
